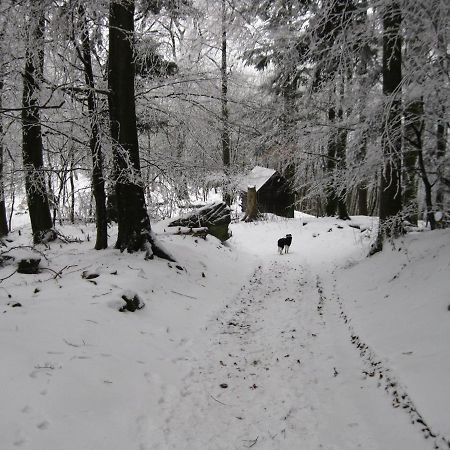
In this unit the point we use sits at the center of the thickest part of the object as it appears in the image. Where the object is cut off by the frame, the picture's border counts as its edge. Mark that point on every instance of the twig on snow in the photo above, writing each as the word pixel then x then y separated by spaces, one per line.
pixel 9 276
pixel 25 246
pixel 252 442
pixel 72 344
pixel 59 272
pixel 218 401
pixel 184 295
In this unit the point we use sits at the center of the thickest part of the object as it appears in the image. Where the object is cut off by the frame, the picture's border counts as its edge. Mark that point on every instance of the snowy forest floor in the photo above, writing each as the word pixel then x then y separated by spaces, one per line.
pixel 237 347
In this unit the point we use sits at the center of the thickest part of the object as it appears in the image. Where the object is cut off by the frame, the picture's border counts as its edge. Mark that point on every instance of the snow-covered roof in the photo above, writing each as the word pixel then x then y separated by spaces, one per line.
pixel 257 177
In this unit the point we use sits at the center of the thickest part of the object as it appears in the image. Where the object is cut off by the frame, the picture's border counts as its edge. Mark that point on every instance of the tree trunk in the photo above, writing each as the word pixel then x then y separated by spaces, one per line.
pixel 335 160
pixel 72 189
pixel 390 199
pixel 133 221
pixel 3 218
pixel 441 148
pixel 98 181
pixel 415 139
pixel 428 190
pixel 362 76
pixel 331 198
pixel 338 16
pixel 341 147
pixel 32 147
pixel 225 135
pixel 413 122
pixel 363 210
pixel 362 191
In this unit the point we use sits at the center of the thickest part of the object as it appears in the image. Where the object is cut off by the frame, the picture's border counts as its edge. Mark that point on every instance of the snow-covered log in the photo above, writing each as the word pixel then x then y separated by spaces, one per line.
pixel 215 217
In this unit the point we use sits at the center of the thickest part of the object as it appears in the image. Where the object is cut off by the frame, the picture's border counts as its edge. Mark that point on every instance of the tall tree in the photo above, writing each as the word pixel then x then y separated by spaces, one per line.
pixel 390 179
pixel 3 219
pixel 133 221
pixel 32 146
pixel 98 181
pixel 333 67
pixel 225 133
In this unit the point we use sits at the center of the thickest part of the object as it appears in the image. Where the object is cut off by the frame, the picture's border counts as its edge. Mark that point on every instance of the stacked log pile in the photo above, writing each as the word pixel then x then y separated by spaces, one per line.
pixel 214 217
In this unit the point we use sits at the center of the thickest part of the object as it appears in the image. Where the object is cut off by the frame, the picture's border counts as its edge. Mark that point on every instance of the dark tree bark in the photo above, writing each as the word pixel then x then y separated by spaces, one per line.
pixel 390 198
pixel 3 219
pixel 441 148
pixel 32 147
pixel 428 189
pixel 225 134
pixel 133 220
pixel 331 197
pixel 338 17
pixel 336 164
pixel 414 137
pixel 362 74
pixel 362 190
pixel 413 122
pixel 98 181
pixel 72 189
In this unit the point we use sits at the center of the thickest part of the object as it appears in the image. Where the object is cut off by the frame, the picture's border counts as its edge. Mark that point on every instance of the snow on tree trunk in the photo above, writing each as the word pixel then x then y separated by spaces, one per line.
pixel 3 219
pixel 98 182
pixel 133 221
pixel 390 179
pixel 32 147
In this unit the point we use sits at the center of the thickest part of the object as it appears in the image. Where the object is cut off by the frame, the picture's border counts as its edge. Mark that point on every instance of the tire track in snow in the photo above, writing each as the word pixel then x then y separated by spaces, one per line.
pixel 260 344
pixel 374 369
pixel 290 377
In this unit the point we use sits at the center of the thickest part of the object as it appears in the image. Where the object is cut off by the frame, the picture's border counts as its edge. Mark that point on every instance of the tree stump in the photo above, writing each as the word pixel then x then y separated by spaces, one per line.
pixel 215 217
pixel 251 211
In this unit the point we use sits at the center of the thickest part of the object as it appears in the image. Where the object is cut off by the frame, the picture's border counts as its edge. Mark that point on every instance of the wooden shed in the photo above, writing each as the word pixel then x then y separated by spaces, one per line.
pixel 273 192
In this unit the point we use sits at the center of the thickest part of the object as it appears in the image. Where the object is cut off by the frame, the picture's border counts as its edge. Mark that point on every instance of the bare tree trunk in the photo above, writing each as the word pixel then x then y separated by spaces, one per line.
pixel 3 218
pixel 72 189
pixel 363 210
pixel 414 138
pixel 133 220
pixel 32 147
pixel 390 200
pixel 441 148
pixel 341 148
pixel 413 122
pixel 98 181
pixel 338 16
pixel 331 197
pixel 428 190
pixel 361 189
pixel 225 136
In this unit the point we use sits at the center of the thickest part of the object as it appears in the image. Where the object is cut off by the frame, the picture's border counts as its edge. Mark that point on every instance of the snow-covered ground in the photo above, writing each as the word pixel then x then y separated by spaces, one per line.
pixel 237 347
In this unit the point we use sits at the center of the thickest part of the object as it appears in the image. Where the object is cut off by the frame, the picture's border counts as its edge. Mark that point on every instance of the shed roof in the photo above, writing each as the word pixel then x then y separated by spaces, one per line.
pixel 257 177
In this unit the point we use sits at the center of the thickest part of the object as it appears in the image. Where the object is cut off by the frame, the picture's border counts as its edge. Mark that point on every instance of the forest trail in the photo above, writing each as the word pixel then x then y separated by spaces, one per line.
pixel 276 370
pixel 238 347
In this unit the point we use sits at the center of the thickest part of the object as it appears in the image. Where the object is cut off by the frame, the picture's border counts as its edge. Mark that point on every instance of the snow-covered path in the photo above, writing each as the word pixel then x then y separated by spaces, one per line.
pixel 277 371
pixel 238 347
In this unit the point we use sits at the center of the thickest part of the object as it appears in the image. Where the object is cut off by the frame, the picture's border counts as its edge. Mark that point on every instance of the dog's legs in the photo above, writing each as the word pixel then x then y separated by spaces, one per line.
pixel 280 250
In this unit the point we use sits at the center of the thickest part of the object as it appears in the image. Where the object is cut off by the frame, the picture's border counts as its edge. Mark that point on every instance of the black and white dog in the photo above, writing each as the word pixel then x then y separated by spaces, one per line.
pixel 284 244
